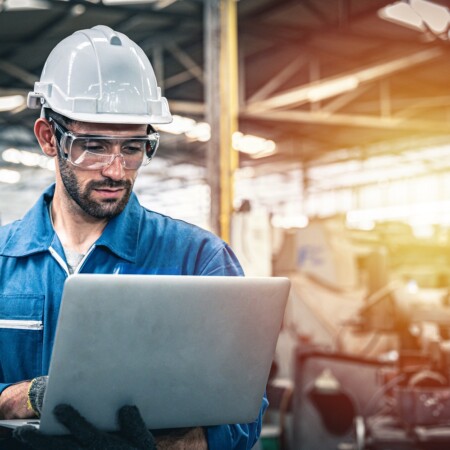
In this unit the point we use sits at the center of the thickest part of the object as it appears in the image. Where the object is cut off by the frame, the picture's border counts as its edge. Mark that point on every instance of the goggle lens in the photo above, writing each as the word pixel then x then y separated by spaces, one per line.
pixel 97 152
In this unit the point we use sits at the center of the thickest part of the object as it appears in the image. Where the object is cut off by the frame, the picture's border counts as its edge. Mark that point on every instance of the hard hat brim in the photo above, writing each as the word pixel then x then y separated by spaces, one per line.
pixel 136 119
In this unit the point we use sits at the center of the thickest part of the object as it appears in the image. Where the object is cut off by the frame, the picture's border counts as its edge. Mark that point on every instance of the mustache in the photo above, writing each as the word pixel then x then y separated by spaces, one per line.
pixel 109 184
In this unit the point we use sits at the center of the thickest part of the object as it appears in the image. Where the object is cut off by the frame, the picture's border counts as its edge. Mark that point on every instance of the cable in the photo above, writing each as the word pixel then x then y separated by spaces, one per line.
pixel 380 392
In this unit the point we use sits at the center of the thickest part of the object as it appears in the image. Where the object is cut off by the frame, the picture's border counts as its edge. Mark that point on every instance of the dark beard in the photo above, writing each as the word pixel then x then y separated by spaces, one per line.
pixel 106 209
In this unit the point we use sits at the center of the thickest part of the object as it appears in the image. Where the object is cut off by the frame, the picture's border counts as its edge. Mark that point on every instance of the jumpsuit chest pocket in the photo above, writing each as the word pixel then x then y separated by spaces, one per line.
pixel 21 336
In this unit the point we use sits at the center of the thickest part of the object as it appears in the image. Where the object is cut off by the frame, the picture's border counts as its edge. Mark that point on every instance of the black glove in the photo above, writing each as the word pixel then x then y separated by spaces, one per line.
pixel 36 393
pixel 133 433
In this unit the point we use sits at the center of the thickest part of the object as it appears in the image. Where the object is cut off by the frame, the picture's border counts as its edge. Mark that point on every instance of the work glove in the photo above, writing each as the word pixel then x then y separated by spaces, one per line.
pixel 133 434
pixel 36 394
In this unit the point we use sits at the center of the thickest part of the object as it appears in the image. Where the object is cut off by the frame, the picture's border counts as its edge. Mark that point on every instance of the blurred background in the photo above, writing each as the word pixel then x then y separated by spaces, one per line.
pixel 313 135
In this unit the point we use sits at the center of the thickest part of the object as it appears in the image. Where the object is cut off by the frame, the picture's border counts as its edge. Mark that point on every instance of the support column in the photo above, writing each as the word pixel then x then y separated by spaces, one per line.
pixel 221 98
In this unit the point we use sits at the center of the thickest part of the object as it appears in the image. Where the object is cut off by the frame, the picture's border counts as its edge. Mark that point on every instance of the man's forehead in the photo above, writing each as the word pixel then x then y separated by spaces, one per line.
pixel 107 128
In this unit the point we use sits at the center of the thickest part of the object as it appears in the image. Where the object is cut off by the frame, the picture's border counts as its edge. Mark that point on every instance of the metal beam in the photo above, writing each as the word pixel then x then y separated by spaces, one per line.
pixel 212 98
pixel 343 100
pixel 229 96
pixel 385 98
pixel 426 103
pixel 403 106
pixel 221 93
pixel 351 120
pixel 274 83
pixel 185 60
pixel 190 108
pixel 17 72
pixel 266 9
pixel 314 9
pixel 139 9
pixel 343 13
pixel 178 79
pixel 300 95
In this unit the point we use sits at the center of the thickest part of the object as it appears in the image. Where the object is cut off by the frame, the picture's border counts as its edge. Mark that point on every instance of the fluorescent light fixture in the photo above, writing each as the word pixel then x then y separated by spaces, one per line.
pixel 158 4
pixel 419 15
pixel 412 287
pixel 200 132
pixel 179 125
pixel 11 5
pixel 29 159
pixel 10 102
pixel 332 88
pixel 436 17
pixel 423 230
pixel 401 13
pixel 271 150
pixel 77 10
pixel 161 4
pixel 9 176
pixel 126 2
pixel 253 145
pixel 288 222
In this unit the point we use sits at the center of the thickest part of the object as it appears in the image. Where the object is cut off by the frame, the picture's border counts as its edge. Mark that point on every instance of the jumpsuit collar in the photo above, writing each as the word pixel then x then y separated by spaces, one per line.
pixel 34 233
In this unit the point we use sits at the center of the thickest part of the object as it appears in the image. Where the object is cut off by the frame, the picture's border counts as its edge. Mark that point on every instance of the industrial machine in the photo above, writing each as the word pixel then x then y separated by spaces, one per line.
pixel 366 338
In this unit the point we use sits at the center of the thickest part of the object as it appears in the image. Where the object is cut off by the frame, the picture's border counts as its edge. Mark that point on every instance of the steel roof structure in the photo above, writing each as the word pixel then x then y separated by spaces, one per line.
pixel 324 79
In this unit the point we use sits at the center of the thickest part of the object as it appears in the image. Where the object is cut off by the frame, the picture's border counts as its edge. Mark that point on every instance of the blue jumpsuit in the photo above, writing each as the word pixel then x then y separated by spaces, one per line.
pixel 138 241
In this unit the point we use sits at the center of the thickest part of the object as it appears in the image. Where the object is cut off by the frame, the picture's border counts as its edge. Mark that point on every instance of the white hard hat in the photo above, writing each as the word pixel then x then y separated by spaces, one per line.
pixel 100 75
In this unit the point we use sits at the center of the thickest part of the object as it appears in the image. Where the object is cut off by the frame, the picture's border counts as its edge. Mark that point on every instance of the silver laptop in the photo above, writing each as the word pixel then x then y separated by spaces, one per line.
pixel 186 350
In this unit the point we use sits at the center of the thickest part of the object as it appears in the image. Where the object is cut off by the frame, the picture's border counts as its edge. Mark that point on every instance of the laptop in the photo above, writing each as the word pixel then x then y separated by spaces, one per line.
pixel 186 350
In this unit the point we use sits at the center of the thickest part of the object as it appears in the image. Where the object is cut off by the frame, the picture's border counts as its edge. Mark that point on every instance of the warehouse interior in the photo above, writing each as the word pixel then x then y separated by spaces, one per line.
pixel 338 177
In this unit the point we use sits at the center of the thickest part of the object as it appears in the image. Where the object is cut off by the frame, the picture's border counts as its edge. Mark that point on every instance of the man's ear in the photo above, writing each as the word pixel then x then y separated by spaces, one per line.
pixel 44 134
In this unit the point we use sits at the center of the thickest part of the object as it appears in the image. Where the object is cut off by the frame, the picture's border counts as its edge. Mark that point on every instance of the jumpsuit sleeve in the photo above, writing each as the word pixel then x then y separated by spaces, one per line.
pixel 3 386
pixel 236 437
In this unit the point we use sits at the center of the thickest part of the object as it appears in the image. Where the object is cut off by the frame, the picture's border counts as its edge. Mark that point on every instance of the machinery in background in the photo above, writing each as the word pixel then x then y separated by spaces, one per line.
pixel 366 338
pixel 251 239
pixel 413 408
pixel 399 399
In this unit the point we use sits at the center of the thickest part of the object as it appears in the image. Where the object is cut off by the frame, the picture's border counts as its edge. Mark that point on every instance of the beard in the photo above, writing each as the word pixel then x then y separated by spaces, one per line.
pixel 103 209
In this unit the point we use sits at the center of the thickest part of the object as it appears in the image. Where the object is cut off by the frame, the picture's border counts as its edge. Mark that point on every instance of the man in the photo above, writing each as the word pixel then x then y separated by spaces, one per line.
pixel 98 98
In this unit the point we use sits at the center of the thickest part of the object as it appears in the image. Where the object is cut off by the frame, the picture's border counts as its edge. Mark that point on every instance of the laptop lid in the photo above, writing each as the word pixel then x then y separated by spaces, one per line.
pixel 187 350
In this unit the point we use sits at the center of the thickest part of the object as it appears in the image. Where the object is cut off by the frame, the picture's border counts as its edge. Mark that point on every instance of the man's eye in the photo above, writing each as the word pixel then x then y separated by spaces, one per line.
pixel 93 148
pixel 132 149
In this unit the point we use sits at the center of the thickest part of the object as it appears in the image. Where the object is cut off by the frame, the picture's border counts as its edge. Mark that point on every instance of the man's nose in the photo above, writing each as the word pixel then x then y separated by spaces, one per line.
pixel 115 170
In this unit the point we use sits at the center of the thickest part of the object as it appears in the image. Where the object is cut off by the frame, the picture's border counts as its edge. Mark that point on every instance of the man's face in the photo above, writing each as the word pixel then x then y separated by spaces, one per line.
pixel 103 193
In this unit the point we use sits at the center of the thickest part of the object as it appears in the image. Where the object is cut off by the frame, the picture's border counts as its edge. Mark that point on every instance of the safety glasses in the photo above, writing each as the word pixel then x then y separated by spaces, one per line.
pixel 91 152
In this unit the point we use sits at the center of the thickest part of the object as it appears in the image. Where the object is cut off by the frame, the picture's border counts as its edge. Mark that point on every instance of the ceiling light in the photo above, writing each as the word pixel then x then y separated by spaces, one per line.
pixel 289 222
pixel 253 145
pixel 402 14
pixel 420 15
pixel 256 147
pixel 179 125
pixel 200 132
pixel 161 4
pixel 436 17
pixel 29 159
pixel 10 102
pixel 77 10
pixel 25 4
pixel 127 2
pixel 9 176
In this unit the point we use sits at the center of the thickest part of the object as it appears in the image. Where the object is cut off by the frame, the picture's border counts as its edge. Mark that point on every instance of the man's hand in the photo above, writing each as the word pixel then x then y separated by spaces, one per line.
pixel 186 439
pixel 14 402
pixel 133 433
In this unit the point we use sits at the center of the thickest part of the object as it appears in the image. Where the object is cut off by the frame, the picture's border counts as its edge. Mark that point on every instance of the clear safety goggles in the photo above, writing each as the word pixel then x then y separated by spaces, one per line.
pixel 91 152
